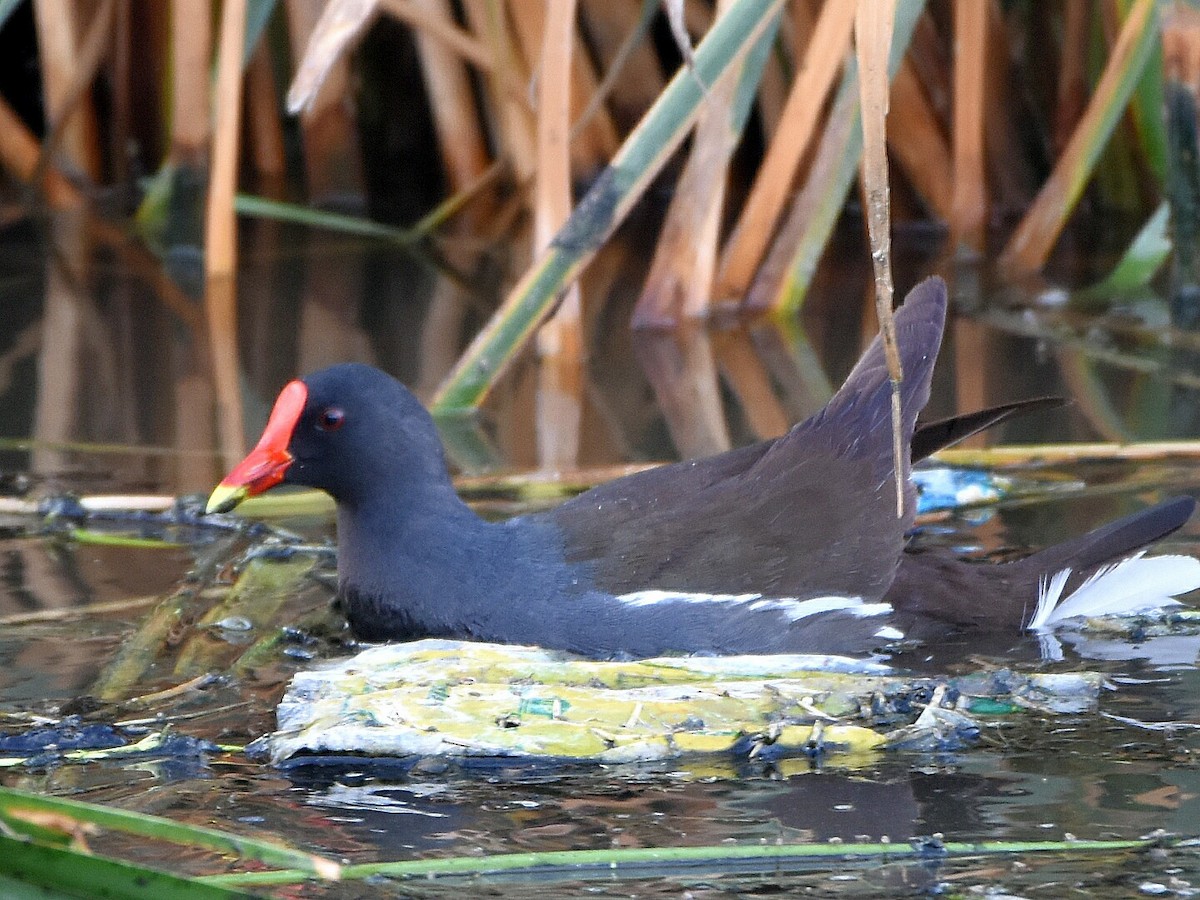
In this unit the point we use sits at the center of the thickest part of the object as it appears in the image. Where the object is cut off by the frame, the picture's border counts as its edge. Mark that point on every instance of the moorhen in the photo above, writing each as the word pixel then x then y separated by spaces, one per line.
pixel 790 545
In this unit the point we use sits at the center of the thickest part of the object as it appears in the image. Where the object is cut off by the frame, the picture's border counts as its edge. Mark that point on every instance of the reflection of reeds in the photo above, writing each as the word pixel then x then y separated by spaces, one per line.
pixel 544 98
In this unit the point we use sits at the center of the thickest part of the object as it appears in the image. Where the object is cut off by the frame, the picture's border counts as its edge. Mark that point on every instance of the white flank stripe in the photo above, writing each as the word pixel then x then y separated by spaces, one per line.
pixel 792 607
pixel 1133 585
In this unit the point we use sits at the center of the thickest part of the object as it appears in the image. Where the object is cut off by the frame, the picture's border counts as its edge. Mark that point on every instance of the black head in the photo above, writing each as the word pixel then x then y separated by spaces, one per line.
pixel 350 430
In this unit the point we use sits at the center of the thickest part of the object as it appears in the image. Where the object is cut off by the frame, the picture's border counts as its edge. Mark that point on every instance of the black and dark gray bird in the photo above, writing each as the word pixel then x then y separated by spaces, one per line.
pixel 789 545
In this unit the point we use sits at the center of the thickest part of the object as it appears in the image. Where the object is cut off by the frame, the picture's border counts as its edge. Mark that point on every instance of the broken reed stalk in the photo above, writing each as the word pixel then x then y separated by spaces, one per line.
pixel 751 236
pixel 1034 238
pixel 641 157
pixel 873 23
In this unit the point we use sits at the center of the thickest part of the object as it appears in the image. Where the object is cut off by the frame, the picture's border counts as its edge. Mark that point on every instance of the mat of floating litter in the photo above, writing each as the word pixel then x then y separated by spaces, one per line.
pixel 461 699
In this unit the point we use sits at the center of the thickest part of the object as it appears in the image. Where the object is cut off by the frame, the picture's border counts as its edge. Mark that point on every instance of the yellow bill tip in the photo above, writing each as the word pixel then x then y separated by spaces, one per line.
pixel 225 497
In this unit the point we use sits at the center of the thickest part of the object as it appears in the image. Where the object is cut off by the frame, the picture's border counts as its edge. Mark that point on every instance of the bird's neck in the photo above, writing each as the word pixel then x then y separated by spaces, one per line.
pixel 413 559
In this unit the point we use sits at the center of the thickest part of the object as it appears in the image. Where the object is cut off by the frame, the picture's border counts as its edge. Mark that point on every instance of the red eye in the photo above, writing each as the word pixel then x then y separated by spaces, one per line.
pixel 331 419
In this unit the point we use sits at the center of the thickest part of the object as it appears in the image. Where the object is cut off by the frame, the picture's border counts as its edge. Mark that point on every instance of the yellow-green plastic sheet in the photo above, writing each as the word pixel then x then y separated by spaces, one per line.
pixel 463 699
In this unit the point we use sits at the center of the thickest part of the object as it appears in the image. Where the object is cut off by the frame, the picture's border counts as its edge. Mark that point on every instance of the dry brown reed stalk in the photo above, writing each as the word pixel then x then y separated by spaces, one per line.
pixel 679 284
pixel 748 242
pixel 191 62
pixel 873 24
pixel 264 127
pixel 918 143
pixel 460 135
pixel 332 160
pixel 220 240
pixel 1072 71
pixel 58 50
pixel 506 86
pixel 434 21
pixel 633 76
pixel 463 147
pixel 92 52
pixel 594 141
pixel 969 211
pixel 560 337
pixel 19 154
pixel 791 43
pixel 1031 243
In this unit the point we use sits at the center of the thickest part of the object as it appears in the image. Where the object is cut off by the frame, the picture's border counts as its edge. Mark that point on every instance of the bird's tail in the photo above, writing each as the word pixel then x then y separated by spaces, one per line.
pixel 1104 571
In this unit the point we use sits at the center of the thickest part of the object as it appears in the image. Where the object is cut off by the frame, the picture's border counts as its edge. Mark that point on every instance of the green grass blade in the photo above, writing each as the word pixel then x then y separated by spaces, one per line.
pixel 640 158
pixel 59 872
pixel 13 803
pixel 1140 263
pixel 641 861
pixel 262 208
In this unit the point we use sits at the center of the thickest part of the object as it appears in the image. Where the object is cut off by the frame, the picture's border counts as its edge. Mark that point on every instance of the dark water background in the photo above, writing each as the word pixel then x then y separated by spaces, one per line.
pixel 112 386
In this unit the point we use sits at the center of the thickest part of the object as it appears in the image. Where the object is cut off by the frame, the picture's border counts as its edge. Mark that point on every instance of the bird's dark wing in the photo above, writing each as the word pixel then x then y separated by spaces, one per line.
pixel 810 514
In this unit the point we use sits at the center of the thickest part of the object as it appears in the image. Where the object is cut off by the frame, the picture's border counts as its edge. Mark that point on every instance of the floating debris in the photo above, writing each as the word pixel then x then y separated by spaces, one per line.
pixel 436 698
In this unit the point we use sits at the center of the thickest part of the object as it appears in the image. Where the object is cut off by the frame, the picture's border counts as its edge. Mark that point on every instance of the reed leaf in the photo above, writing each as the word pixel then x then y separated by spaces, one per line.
pixel 640 158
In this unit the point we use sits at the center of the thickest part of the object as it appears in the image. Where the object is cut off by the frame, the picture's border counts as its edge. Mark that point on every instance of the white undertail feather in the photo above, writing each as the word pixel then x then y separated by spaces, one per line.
pixel 1133 585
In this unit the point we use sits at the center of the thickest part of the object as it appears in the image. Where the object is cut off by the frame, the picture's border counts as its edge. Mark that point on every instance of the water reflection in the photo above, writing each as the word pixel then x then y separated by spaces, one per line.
pixel 96 352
